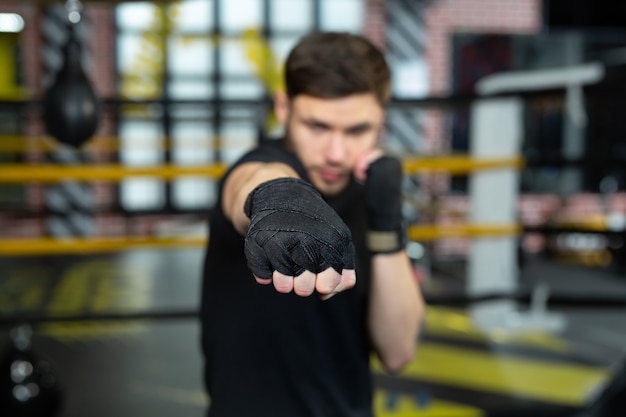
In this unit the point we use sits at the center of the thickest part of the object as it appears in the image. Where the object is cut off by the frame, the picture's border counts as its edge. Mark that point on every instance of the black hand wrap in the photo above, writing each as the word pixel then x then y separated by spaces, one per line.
pixel 292 229
pixel 383 191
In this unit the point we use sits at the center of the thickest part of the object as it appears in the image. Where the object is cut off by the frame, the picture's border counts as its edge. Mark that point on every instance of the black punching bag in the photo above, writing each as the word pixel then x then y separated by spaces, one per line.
pixel 70 107
pixel 28 386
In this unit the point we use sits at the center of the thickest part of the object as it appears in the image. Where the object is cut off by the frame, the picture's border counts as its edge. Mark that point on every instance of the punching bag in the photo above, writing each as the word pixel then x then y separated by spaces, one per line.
pixel 28 386
pixel 71 109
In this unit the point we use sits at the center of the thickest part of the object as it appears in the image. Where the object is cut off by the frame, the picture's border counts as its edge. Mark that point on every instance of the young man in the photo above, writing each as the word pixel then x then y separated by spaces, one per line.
pixel 305 272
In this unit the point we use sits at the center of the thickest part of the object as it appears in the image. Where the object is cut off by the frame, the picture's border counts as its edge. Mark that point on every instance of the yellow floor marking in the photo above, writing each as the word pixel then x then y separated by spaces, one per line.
pixel 543 380
pixel 97 286
pixel 192 397
pixel 406 406
pixel 23 290
pixel 90 330
pixel 450 322
pixel 403 406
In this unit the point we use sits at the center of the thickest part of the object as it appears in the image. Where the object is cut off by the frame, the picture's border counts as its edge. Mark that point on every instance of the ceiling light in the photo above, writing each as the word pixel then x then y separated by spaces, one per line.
pixel 11 22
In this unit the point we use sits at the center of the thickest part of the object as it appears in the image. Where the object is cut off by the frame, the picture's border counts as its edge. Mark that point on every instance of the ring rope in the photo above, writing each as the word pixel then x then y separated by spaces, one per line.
pixel 46 173
pixel 55 246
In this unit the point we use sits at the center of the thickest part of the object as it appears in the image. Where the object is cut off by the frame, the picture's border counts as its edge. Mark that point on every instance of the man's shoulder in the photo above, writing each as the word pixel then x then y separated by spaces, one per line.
pixel 267 150
pixel 272 150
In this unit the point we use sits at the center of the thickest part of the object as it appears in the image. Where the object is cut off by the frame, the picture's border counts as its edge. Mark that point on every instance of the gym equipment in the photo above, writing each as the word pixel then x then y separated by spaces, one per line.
pixel 497 129
pixel 28 386
pixel 70 107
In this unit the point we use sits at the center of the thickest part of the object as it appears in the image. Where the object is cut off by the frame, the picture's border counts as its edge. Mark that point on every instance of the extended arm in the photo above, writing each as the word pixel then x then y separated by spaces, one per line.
pixel 293 239
pixel 241 181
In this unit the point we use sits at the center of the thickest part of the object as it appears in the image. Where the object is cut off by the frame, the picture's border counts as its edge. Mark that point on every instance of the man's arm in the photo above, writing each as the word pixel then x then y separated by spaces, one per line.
pixel 241 181
pixel 396 306
pixel 396 309
pixel 293 239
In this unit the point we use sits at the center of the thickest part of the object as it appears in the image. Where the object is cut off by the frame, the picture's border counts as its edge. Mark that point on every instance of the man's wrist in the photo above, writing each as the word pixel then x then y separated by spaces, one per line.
pixel 381 242
pixel 383 201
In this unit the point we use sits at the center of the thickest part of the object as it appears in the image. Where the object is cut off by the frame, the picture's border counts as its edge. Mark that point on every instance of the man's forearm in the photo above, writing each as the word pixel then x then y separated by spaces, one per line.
pixel 241 182
pixel 396 309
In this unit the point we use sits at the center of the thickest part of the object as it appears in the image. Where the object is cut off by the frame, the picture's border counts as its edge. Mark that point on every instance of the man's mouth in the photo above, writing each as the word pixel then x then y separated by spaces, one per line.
pixel 330 175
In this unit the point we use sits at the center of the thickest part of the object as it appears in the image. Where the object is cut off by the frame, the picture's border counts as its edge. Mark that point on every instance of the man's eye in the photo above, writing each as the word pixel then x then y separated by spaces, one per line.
pixel 318 128
pixel 358 131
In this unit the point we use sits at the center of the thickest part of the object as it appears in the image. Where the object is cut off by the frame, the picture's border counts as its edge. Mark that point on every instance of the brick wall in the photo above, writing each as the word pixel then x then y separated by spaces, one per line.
pixel 102 69
pixel 375 22
pixel 25 225
pixel 28 42
pixel 446 17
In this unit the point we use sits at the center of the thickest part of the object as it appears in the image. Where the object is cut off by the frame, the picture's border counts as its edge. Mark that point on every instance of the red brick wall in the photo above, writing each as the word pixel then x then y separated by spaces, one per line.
pixel 446 17
pixel 102 48
pixel 29 36
pixel 375 22
pixel 102 70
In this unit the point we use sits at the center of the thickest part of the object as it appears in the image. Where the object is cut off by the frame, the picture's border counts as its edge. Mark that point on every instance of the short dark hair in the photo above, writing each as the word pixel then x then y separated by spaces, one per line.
pixel 334 65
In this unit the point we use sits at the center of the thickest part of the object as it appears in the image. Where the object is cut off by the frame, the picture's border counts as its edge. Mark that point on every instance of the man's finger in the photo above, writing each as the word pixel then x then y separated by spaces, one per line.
pixel 327 281
pixel 360 169
pixel 304 284
pixel 348 280
pixel 264 281
pixel 282 283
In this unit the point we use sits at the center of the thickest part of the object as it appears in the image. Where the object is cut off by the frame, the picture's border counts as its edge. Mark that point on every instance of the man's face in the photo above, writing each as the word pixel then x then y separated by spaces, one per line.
pixel 330 136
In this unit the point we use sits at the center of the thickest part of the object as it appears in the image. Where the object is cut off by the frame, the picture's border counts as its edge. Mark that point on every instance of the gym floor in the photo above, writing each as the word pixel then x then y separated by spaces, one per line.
pixel 150 367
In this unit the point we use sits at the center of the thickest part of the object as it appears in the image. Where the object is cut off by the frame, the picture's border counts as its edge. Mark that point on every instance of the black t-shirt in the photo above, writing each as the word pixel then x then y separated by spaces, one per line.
pixel 269 354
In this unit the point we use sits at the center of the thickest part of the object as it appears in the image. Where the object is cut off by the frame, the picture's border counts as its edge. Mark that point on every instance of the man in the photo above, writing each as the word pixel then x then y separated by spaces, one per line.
pixel 305 273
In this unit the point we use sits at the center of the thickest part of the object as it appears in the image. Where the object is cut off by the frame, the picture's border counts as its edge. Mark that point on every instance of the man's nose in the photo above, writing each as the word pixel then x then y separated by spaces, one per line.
pixel 335 150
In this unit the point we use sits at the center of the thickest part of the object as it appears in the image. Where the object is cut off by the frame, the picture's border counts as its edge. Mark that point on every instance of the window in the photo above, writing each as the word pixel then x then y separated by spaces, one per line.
pixel 191 60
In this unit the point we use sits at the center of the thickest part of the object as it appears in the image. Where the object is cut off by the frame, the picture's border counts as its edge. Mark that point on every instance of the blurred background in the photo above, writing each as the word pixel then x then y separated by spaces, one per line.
pixel 117 118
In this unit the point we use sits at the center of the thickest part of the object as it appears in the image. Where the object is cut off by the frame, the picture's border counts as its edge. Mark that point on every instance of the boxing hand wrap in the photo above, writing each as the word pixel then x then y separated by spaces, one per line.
pixel 383 199
pixel 292 229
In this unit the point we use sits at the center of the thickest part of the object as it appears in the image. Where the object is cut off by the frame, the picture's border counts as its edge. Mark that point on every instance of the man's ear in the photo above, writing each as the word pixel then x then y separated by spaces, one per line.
pixel 281 107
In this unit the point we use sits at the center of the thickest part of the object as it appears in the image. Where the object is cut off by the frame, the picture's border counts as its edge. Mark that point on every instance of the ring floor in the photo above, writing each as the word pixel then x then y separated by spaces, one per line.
pixel 129 368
